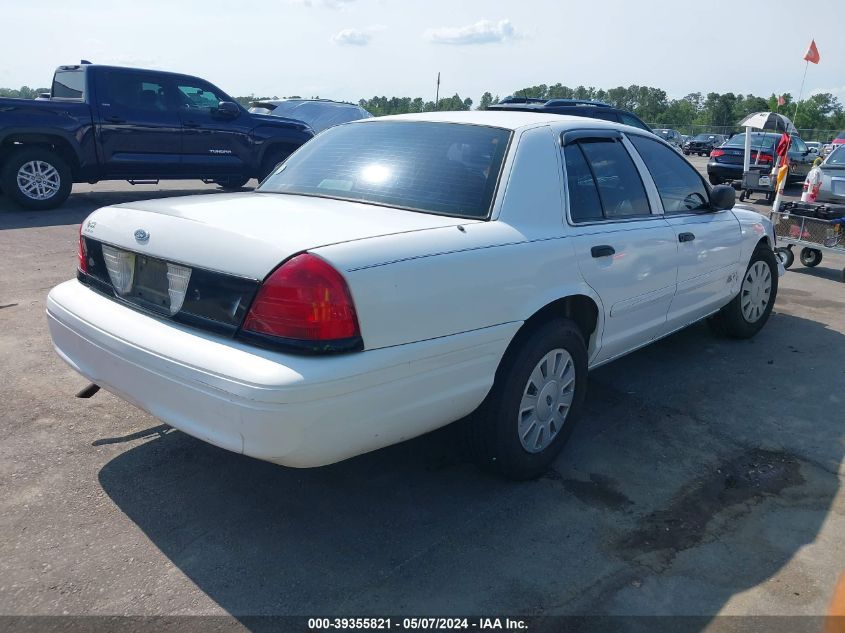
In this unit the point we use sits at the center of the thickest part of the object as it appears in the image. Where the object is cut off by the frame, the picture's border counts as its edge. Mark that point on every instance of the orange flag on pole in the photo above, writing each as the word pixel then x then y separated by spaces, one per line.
pixel 812 54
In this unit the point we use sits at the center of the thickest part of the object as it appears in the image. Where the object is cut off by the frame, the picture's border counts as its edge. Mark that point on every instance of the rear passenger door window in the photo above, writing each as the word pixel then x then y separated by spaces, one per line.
pixel 601 169
pixel 681 188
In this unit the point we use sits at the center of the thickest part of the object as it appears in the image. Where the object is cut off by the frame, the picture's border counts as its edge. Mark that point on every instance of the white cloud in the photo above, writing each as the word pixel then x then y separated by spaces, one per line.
pixel 356 37
pixel 326 4
pixel 482 32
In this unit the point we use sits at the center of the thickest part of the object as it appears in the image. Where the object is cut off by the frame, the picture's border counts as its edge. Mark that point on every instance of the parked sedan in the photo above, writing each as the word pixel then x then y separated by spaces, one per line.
pixel 832 187
pixel 703 144
pixel 318 114
pixel 401 273
pixel 726 160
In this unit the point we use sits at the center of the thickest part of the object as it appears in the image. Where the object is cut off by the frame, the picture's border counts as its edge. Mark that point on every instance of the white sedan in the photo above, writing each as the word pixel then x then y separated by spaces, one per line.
pixel 397 274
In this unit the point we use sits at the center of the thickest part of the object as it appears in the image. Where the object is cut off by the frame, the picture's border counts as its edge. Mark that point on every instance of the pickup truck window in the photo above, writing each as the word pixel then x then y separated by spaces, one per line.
pixel 69 84
pixel 439 168
pixel 198 97
pixel 132 91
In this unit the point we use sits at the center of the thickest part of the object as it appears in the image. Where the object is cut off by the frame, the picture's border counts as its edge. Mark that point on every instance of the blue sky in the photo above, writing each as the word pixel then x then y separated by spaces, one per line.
pixel 347 49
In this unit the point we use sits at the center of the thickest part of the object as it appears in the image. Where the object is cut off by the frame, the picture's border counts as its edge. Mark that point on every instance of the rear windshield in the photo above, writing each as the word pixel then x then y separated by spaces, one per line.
pixel 841 135
pixel 69 84
pixel 759 140
pixel 439 168
pixel 705 137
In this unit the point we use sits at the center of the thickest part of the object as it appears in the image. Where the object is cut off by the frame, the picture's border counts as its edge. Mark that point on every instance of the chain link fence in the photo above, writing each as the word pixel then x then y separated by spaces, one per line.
pixel 823 136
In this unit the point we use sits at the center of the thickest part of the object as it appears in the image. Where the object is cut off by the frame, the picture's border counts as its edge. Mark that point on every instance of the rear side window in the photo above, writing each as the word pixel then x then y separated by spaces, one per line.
pixel 584 203
pixel 69 84
pixel 680 187
pixel 620 189
pixel 132 91
pixel 440 168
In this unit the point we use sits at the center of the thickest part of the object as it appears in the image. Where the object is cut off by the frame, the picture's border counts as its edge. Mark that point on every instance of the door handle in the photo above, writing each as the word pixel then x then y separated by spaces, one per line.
pixel 190 124
pixel 115 119
pixel 686 237
pixel 605 250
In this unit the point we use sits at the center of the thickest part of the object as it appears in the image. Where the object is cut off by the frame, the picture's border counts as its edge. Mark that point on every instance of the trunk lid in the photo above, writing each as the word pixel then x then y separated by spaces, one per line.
pixel 247 234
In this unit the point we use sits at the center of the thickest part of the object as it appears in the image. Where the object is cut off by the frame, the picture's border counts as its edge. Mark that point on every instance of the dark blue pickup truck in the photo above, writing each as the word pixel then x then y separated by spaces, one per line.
pixel 110 123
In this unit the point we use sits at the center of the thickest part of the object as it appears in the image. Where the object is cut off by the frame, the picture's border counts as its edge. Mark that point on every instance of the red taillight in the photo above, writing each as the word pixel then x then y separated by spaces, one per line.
pixel 716 153
pixel 82 253
pixel 761 158
pixel 305 299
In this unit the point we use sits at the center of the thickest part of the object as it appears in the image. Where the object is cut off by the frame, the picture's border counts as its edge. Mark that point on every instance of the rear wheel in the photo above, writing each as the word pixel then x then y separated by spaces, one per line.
pixel 714 179
pixel 36 178
pixel 748 312
pixel 534 403
pixel 811 257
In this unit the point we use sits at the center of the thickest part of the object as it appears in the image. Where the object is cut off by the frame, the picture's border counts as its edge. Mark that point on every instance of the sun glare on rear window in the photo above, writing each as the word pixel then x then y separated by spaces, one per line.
pixel 440 168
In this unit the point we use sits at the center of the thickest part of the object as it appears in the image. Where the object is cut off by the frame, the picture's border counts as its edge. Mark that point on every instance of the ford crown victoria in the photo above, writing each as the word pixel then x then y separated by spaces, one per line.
pixel 398 274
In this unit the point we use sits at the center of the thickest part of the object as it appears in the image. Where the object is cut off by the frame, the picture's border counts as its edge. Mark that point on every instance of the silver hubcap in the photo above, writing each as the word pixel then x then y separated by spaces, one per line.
pixel 38 180
pixel 756 291
pixel 546 400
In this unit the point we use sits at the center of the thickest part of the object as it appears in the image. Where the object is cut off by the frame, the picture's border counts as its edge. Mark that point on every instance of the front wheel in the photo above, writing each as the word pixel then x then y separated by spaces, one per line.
pixel 232 183
pixel 534 403
pixel 748 312
pixel 811 257
pixel 36 178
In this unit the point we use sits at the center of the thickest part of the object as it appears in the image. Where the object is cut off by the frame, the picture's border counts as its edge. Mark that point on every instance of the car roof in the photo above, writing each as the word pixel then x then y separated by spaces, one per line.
pixel 510 120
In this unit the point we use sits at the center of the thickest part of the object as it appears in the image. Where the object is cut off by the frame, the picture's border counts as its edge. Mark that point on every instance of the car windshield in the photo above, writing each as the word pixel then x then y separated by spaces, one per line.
pixel 439 168
pixel 759 140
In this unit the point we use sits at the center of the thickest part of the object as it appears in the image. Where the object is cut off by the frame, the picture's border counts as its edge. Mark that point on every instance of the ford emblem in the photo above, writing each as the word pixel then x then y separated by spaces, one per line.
pixel 141 235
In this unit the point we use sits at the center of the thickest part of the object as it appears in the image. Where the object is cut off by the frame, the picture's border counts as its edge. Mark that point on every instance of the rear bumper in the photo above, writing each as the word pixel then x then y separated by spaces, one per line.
pixel 292 410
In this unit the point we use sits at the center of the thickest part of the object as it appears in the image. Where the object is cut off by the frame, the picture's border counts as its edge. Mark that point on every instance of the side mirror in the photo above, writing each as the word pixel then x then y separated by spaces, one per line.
pixel 722 197
pixel 228 109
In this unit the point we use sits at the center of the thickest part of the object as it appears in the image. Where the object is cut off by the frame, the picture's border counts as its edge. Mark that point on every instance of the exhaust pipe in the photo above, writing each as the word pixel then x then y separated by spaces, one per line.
pixel 89 391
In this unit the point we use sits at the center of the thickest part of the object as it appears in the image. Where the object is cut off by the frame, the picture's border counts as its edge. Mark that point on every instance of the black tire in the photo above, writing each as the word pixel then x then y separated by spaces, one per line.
pixel 231 183
pixel 271 161
pixel 810 257
pixel 493 429
pixel 731 320
pixel 770 197
pixel 785 255
pixel 686 153
pixel 714 180
pixel 46 159
pixel 743 195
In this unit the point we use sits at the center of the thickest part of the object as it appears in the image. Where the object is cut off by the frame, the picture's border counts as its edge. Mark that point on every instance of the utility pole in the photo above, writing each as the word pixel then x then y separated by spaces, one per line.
pixel 437 94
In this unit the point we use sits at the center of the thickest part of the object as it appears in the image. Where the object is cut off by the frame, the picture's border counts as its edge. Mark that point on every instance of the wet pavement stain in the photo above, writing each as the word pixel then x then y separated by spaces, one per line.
pixel 746 479
pixel 599 491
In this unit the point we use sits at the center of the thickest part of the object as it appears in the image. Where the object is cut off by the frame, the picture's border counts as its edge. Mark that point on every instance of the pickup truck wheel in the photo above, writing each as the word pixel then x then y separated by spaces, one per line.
pixel 232 183
pixel 270 163
pixel 534 403
pixel 748 312
pixel 36 178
